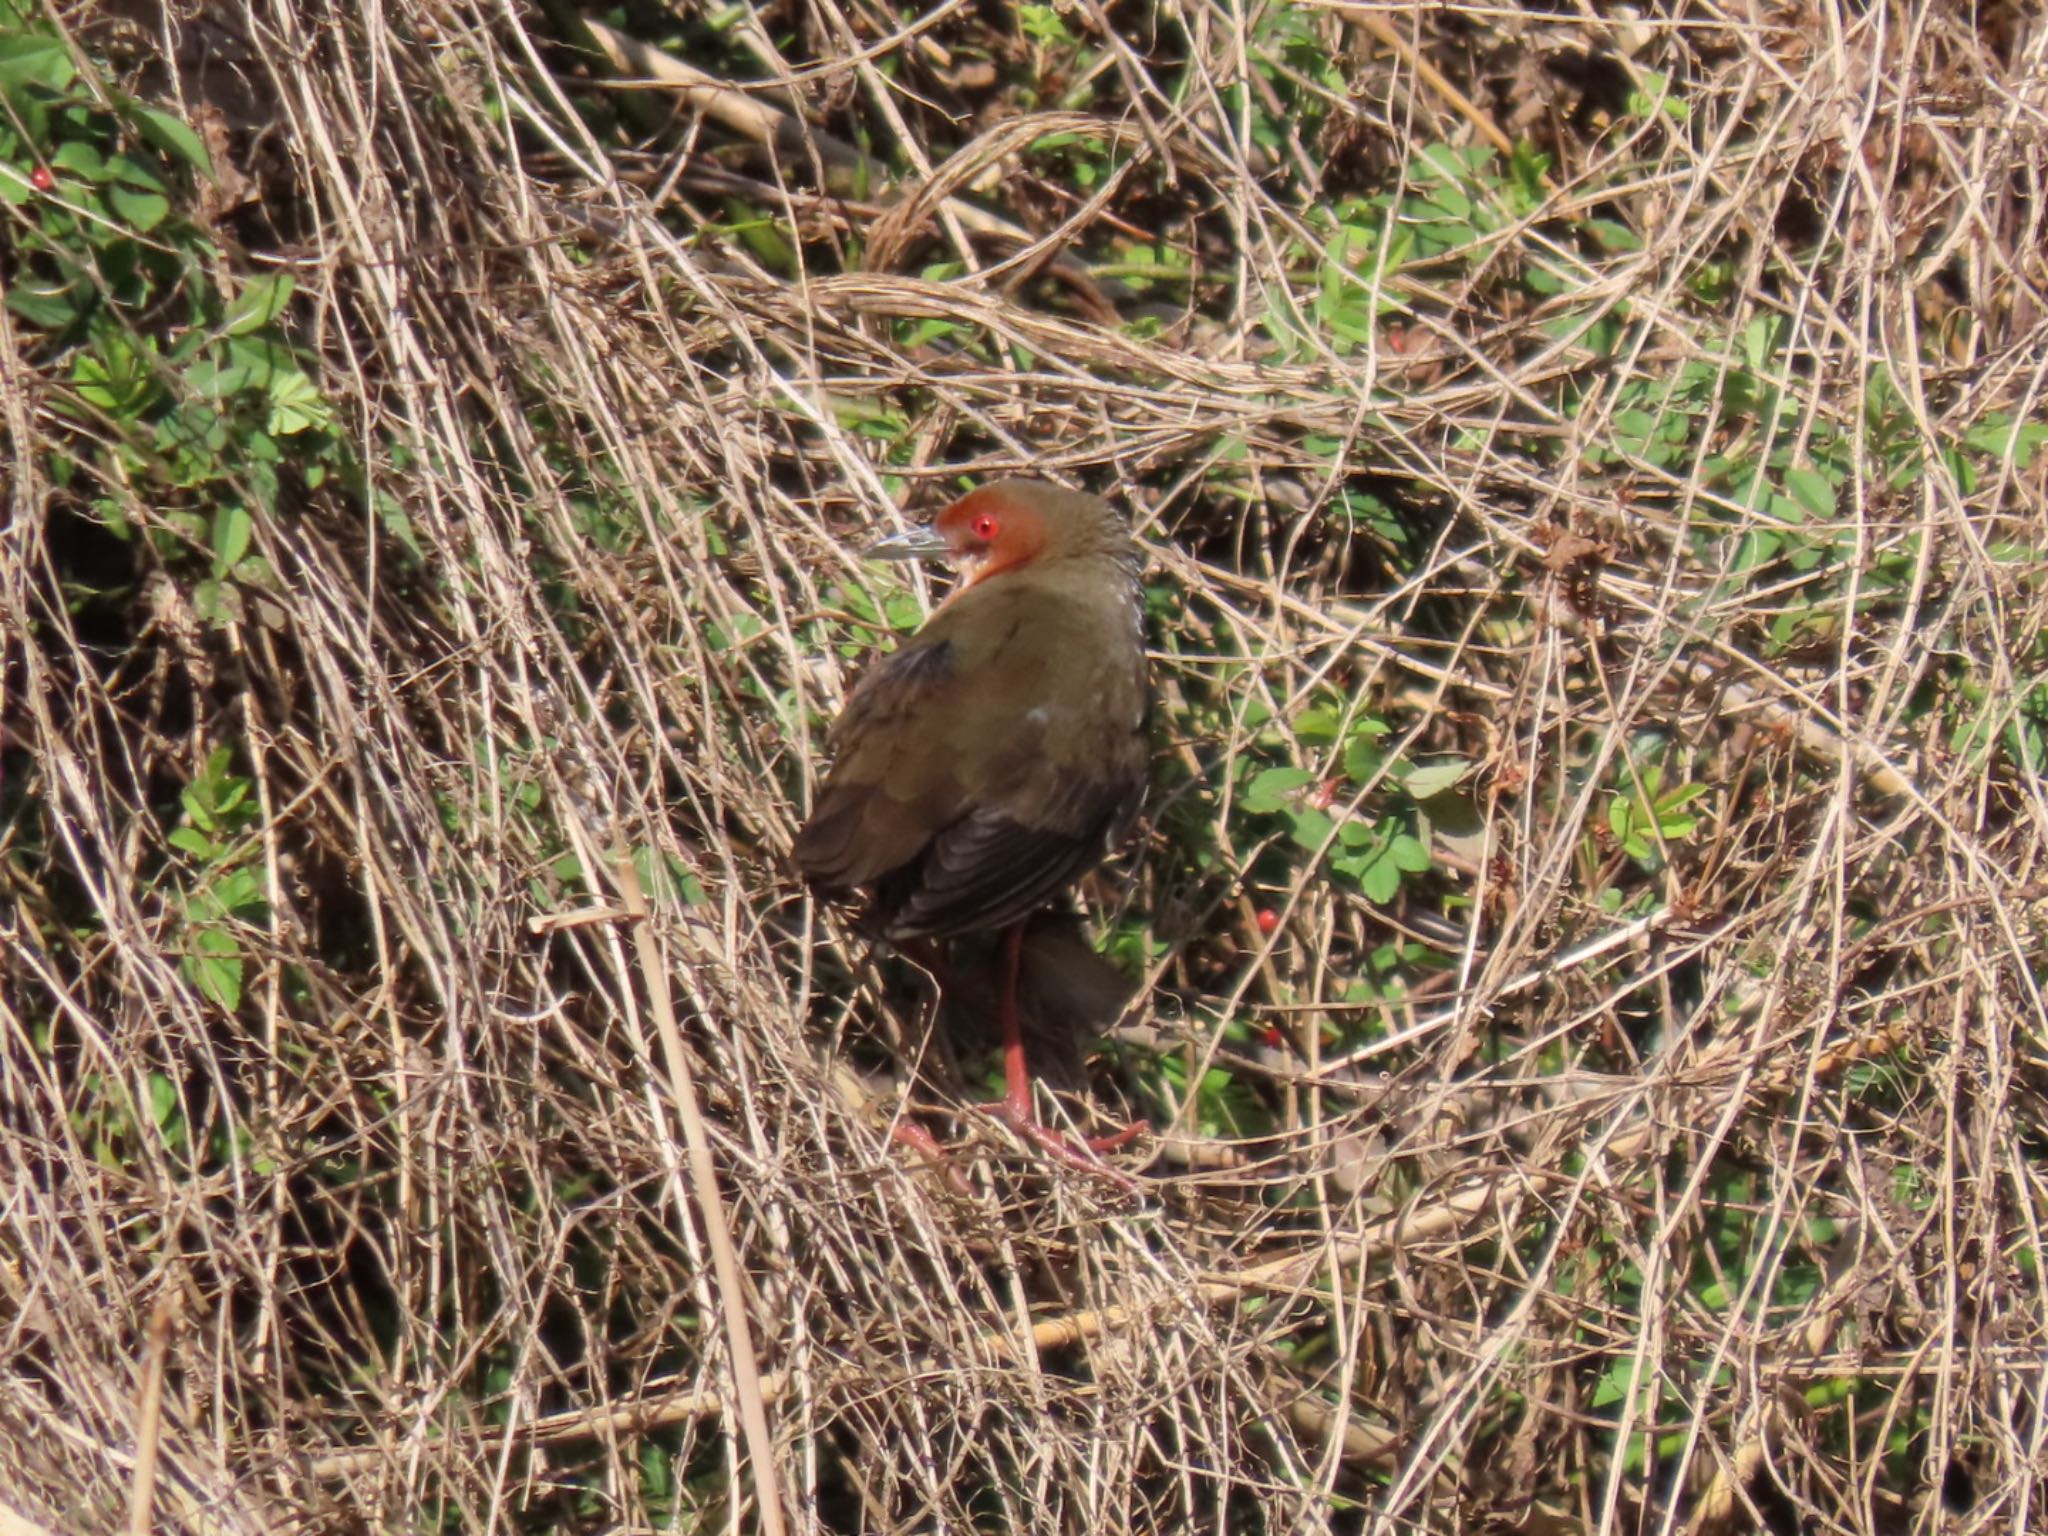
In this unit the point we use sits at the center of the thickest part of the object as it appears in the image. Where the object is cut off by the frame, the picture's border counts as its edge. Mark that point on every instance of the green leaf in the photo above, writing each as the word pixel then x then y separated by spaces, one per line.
pixel 1760 341
pixel 1526 169
pixel 1633 430
pixel 240 891
pixel 1317 725
pixel 163 1099
pixel 242 364
pixel 1676 827
pixel 1621 821
pixel 1613 236
pixel 1358 833
pixel 1380 879
pixel 1964 471
pixel 15 189
pixel 130 172
pixel 193 841
pixel 33 58
pixel 262 300
pixel 75 157
pixel 1383 860
pixel 1433 779
pixel 198 808
pixel 217 603
pixel 1042 24
pixel 1614 1382
pixel 1812 490
pixel 220 979
pixel 1757 547
pixel 115 379
pixel 2001 436
pixel 1655 95
pixel 296 405
pixel 173 136
pixel 1271 787
pixel 142 211
pixel 1437 167
pixel 1310 829
pixel 232 527
pixel 1363 758
pixel 215 967
pixel 1672 820
pixel 197 433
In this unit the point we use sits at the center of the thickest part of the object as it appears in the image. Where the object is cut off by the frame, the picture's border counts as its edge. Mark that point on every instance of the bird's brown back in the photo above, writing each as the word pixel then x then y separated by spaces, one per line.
pixel 995 757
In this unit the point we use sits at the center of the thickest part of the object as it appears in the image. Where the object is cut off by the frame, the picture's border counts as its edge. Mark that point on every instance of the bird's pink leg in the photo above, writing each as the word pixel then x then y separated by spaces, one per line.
pixel 920 1140
pixel 1017 1108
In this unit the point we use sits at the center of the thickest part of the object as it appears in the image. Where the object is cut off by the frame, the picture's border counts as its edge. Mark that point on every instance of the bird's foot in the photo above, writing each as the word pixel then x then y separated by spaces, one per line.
pixel 914 1135
pixel 1083 1153
pixel 1079 1152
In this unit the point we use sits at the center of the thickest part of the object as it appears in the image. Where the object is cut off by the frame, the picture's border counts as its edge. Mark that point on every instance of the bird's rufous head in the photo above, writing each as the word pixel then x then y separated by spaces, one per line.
pixel 1010 523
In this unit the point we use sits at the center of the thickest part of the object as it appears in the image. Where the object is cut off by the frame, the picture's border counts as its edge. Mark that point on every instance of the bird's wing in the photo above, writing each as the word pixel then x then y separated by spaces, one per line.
pixel 987 871
pixel 897 688
pixel 879 807
pixel 977 772
pixel 1042 808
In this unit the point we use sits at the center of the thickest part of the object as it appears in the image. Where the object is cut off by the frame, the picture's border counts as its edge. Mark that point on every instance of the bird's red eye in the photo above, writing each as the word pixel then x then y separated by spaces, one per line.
pixel 984 526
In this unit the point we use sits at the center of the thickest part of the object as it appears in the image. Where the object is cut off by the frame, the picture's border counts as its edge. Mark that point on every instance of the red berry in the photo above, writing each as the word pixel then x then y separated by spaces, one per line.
pixel 1268 919
pixel 41 179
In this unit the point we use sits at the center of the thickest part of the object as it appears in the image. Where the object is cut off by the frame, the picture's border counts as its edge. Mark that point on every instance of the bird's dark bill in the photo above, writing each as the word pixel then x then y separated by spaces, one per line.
pixel 914 544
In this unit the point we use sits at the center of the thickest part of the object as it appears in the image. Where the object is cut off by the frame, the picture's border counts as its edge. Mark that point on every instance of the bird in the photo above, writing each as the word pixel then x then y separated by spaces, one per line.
pixel 998 755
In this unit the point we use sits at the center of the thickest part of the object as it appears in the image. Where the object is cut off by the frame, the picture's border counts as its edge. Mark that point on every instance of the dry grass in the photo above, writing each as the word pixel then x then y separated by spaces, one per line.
pixel 411 1238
